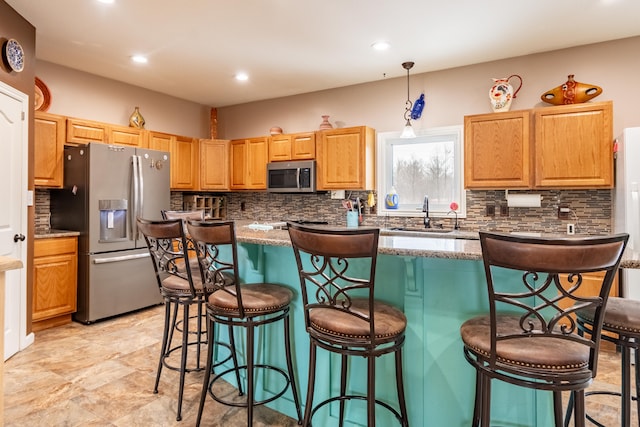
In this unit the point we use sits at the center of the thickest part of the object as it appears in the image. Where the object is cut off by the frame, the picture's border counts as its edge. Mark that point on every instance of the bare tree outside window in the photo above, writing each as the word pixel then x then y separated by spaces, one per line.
pixel 428 165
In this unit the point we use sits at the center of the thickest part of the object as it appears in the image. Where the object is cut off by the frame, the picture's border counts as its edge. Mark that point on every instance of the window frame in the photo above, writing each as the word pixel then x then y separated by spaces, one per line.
pixel 384 169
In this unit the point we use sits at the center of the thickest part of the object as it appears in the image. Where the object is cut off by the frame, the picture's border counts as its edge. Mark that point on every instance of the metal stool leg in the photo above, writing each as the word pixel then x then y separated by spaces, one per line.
pixel 292 382
pixel 626 386
pixel 207 373
pixel 164 345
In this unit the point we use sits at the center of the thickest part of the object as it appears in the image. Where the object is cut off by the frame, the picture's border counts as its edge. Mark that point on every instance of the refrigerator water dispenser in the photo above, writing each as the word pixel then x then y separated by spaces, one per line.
pixel 113 220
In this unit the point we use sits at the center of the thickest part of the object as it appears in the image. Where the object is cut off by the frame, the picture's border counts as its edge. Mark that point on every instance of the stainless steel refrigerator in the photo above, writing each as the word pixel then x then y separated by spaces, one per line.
pixel 626 206
pixel 105 188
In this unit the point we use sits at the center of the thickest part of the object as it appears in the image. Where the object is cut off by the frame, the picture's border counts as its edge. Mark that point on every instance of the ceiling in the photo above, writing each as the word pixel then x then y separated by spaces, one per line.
pixel 288 47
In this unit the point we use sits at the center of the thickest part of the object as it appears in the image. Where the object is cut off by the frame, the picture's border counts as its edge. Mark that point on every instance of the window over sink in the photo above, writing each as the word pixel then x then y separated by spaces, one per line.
pixel 429 165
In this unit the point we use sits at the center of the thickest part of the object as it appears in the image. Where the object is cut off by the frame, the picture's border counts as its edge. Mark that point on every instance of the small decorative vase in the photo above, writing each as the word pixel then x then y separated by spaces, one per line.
pixel 136 120
pixel 501 93
pixel 571 92
pixel 325 123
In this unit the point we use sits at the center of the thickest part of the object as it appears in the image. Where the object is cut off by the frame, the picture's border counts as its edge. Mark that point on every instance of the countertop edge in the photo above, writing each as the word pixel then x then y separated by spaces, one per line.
pixel 426 247
pixel 53 234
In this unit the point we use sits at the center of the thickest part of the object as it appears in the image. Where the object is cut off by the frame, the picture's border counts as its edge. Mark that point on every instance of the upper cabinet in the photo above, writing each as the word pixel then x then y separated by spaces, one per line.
pixel 497 150
pixel 346 159
pixel 248 159
pixel 48 151
pixel 85 131
pixel 159 141
pixel 183 158
pixel 214 164
pixel 574 146
pixel 569 146
pixel 123 135
pixel 298 146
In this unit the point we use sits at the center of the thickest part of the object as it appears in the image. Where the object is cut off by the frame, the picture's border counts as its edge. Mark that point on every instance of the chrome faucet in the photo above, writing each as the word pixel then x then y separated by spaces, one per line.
pixel 425 209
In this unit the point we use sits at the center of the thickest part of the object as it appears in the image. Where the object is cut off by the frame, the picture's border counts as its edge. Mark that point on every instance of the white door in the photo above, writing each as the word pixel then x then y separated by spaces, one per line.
pixel 13 210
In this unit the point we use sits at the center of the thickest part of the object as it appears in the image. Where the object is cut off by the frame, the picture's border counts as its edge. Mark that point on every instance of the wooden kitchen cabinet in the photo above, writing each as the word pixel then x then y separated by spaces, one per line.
pixel 214 164
pixel 123 135
pixel 497 150
pixel 184 156
pixel 574 146
pixel 184 163
pixel 48 150
pixel 159 141
pixel 346 159
pixel 55 263
pixel 568 146
pixel 297 146
pixel 86 131
pixel 248 159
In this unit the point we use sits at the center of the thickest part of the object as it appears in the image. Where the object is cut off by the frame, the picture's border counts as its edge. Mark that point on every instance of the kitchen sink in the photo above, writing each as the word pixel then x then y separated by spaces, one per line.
pixel 429 232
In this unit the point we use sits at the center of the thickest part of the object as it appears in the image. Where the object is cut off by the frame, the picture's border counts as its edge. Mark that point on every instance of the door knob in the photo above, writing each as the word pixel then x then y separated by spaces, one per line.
pixel 19 237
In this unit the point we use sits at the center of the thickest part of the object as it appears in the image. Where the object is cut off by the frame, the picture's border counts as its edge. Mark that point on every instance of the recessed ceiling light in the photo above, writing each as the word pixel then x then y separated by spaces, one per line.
pixel 140 59
pixel 106 1
pixel 242 76
pixel 381 45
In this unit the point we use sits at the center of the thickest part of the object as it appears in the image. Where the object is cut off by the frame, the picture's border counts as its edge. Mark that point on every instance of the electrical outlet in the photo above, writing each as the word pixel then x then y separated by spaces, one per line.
pixel 504 210
pixel 571 229
pixel 563 211
pixel 338 194
pixel 491 210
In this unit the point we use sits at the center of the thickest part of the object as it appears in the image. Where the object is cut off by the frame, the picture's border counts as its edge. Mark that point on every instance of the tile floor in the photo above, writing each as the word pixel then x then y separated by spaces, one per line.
pixel 103 375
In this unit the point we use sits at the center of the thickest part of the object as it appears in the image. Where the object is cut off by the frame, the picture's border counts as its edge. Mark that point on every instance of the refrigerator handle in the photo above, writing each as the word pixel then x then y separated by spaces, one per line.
pixel 140 188
pixel 634 218
pixel 134 196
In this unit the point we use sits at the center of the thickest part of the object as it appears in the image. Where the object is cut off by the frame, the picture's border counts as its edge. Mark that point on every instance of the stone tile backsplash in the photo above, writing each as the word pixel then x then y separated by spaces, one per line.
pixel 591 210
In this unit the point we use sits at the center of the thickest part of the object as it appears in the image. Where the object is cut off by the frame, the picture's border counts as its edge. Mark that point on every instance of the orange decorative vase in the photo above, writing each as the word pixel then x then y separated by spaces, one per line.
pixel 571 92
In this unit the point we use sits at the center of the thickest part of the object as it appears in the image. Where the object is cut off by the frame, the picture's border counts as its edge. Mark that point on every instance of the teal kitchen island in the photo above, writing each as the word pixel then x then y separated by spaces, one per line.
pixel 438 283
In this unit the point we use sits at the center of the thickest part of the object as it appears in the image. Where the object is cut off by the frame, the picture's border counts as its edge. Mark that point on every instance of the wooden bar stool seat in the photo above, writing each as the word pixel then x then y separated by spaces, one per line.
pixel 249 306
pixel 181 289
pixel 337 278
pixel 622 322
pixel 527 338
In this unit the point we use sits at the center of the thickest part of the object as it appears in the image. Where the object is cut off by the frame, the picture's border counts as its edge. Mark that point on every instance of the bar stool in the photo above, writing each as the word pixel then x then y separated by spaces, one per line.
pixel 193 263
pixel 527 339
pixel 247 306
pixel 622 320
pixel 166 241
pixel 341 314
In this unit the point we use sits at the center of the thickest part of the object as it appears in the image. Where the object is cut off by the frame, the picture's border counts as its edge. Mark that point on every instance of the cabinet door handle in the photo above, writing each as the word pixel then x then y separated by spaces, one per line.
pixel 18 237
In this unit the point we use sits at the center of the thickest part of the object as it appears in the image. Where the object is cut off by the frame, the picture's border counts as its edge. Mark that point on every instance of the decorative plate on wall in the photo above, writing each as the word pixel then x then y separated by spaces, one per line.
pixel 42 98
pixel 14 55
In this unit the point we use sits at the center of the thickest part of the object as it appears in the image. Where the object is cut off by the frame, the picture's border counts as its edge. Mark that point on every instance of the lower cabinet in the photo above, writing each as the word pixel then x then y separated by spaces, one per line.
pixel 55 264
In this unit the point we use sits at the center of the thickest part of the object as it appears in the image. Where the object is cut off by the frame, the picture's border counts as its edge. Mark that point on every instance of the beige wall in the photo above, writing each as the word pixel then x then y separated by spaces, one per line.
pixel 450 94
pixel 87 96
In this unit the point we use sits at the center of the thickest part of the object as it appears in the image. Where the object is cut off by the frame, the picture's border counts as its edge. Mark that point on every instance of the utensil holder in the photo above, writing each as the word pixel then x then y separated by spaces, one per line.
pixel 352 219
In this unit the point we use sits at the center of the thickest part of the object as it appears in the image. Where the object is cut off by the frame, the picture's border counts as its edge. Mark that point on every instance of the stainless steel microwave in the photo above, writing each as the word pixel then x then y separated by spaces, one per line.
pixel 292 177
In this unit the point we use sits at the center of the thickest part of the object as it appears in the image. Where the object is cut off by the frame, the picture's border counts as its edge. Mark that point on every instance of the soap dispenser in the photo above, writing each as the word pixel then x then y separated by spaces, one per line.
pixel 391 200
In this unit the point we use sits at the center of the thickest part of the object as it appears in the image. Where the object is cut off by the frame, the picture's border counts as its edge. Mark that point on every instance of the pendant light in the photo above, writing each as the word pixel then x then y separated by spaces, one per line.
pixel 407 132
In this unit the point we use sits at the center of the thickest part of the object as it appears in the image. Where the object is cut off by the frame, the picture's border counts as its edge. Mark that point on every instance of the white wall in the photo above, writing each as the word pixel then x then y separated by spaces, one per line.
pixel 450 94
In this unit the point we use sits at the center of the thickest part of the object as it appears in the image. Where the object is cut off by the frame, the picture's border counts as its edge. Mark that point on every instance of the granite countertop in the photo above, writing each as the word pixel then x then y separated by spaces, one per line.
pixel 409 245
pixel 50 234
